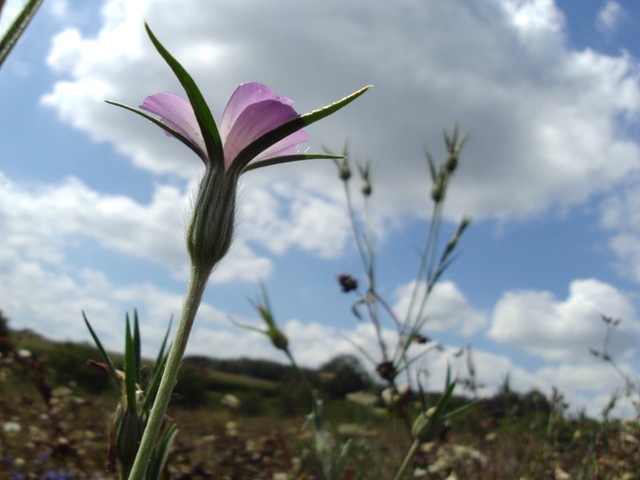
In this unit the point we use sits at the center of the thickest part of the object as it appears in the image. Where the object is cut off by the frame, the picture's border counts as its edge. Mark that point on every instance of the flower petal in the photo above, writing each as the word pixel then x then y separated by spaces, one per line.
pixel 245 95
pixel 254 121
pixel 286 146
pixel 177 113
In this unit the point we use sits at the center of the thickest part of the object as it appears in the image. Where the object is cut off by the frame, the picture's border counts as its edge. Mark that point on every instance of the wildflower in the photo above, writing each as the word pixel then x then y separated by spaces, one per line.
pixel 11 427
pixel 391 396
pixel 362 398
pixel 230 401
pixel 253 110
pixel 23 354
pixel 257 128
pixel 231 429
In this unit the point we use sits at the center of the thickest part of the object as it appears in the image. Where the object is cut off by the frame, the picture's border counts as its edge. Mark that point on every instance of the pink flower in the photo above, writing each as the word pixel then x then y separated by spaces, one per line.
pixel 252 111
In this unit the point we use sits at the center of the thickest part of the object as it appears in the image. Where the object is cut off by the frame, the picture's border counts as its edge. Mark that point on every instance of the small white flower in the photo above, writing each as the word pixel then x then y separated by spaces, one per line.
pixel 11 427
pixel 230 401
pixel 24 353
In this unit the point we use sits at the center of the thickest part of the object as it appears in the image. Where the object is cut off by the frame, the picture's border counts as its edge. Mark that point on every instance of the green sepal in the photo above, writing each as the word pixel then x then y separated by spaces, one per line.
pixel 201 110
pixel 432 166
pixel 290 158
pixel 323 112
pixel 17 27
pixel 272 137
pixel 129 369
pixel 103 352
pixel 165 127
pixel 265 308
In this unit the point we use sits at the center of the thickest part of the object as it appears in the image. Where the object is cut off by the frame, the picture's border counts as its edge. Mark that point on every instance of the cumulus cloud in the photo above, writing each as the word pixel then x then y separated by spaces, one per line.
pixel 565 329
pixel 43 221
pixel 445 309
pixel 544 118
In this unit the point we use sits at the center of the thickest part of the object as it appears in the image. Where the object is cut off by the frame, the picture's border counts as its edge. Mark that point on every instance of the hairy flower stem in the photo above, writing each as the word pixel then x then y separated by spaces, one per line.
pixel 197 284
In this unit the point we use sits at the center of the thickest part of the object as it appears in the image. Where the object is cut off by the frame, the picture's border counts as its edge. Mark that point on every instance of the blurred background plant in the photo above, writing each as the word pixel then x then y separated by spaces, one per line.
pixel 126 425
pixel 17 28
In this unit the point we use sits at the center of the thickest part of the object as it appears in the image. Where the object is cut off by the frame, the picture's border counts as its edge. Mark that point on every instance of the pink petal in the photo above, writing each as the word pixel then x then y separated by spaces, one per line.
pixel 245 95
pixel 177 113
pixel 254 121
pixel 286 146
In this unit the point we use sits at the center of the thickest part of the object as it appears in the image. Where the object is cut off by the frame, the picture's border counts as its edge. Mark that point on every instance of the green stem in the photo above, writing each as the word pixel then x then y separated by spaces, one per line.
pixel 408 459
pixel 197 284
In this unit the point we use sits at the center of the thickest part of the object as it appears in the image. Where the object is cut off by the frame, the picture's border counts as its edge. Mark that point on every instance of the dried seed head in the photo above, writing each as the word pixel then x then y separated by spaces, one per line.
pixel 347 282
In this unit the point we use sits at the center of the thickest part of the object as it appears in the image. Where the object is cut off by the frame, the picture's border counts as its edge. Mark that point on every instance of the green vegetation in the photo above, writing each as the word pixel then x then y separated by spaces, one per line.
pixel 54 411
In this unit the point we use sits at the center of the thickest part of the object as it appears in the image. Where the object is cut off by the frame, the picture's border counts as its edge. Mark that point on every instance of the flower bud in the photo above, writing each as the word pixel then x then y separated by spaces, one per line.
pixel 210 232
pixel 129 433
pixel 366 180
pixel 344 172
pixel 452 162
pixel 278 339
pixel 437 189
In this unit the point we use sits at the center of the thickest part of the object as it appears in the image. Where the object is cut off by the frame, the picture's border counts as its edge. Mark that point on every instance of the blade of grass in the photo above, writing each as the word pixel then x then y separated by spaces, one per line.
pixel 103 352
pixel 136 345
pixel 129 368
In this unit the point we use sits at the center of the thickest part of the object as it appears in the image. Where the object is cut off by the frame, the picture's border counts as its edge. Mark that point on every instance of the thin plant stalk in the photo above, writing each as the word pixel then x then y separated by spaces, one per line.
pixel 356 233
pixel 193 297
pixel 415 446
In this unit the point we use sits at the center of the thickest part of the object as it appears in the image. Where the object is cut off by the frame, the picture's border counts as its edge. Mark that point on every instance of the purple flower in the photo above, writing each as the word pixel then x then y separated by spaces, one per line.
pixel 252 111
pixel 257 128
pixel 250 135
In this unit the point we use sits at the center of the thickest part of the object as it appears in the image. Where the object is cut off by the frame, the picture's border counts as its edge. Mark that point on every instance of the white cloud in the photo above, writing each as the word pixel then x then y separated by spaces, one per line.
pixel 44 221
pixel 610 16
pixel 39 219
pixel 620 214
pixel 445 309
pixel 544 118
pixel 564 330
pixel 283 214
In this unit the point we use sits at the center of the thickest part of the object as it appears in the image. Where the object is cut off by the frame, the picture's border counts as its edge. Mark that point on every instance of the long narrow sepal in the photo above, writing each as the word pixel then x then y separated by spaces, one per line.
pixel 17 27
pixel 272 137
pixel 201 110
pixel 163 126
pixel 323 112
pixel 290 158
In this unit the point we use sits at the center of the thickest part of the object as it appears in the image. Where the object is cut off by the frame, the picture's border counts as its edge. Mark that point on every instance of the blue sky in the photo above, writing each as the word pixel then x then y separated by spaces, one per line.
pixel 93 200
